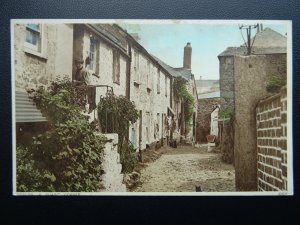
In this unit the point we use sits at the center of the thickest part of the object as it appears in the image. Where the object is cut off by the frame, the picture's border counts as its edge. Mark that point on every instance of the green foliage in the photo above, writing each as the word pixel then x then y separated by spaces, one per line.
pixel 276 83
pixel 227 112
pixel 115 114
pixel 180 91
pixel 66 158
pixel 128 157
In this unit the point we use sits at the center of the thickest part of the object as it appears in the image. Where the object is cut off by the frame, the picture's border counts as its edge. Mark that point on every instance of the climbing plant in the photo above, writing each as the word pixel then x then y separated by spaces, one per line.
pixel 276 83
pixel 67 157
pixel 227 112
pixel 115 114
pixel 180 91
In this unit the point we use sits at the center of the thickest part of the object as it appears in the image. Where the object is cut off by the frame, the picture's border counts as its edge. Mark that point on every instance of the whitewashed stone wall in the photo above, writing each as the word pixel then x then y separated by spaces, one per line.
pixel 33 70
pixel 112 179
pixel 145 74
pixel 104 65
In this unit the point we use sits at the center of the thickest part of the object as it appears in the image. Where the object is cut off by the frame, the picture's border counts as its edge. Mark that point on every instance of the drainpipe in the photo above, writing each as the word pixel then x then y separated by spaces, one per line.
pixel 128 74
pixel 171 92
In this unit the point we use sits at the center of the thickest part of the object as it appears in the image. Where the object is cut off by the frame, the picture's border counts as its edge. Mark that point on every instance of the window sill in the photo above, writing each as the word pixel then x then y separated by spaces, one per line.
pixel 35 53
pixel 116 82
pixel 148 90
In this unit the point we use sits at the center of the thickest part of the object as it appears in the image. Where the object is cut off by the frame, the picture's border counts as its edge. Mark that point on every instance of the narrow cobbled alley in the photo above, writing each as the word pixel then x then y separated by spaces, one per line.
pixel 182 169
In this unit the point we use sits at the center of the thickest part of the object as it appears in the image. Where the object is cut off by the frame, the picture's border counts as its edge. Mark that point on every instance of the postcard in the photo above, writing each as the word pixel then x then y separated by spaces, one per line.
pixel 152 107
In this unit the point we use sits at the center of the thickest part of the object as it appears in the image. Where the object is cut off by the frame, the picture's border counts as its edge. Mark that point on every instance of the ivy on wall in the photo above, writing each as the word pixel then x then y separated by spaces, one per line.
pixel 180 91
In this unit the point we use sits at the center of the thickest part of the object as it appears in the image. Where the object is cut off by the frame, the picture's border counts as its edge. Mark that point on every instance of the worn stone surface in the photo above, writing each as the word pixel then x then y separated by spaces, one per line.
pixel 54 59
pixel 251 73
pixel 227 142
pixel 150 91
pixel 184 168
pixel 112 179
pixel 226 66
pixel 205 108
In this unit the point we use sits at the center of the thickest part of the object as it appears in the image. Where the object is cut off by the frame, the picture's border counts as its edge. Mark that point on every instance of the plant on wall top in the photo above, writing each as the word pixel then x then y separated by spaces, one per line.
pixel 276 83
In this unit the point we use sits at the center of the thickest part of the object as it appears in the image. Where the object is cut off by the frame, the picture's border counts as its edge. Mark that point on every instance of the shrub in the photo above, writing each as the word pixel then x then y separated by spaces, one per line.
pixel 66 158
pixel 115 114
pixel 227 112
pixel 276 83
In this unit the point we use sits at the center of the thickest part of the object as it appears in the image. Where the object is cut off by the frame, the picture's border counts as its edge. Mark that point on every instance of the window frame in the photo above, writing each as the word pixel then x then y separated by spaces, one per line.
pixel 30 48
pixel 166 84
pixel 93 62
pixel 158 81
pixel 116 66
pixel 136 67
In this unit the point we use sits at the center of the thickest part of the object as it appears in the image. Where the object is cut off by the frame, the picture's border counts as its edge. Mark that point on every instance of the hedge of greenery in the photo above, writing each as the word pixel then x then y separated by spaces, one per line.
pixel 115 114
pixel 67 157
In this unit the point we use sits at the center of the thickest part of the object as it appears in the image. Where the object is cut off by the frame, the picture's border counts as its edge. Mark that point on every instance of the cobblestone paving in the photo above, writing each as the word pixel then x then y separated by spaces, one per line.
pixel 184 168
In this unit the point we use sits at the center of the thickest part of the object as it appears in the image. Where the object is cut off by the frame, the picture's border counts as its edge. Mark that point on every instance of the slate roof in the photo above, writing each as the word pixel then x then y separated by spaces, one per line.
pixel 175 72
pixel 232 51
pixel 108 35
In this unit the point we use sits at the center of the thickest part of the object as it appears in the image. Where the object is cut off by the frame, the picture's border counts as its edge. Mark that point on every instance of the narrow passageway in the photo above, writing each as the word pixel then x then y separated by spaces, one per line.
pixel 182 169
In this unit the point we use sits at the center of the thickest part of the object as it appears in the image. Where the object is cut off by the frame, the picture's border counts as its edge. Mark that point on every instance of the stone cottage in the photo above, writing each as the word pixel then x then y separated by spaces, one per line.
pixel 115 60
pixel 177 104
pixel 42 52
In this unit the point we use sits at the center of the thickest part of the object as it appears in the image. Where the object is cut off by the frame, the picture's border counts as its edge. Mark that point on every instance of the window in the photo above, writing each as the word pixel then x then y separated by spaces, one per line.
pixel 116 67
pixel 136 68
pixel 158 81
pixel 148 76
pixel 93 54
pixel 34 39
pixel 166 87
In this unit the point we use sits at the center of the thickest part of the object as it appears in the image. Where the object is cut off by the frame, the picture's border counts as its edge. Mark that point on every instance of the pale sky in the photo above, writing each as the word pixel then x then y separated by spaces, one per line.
pixel 166 41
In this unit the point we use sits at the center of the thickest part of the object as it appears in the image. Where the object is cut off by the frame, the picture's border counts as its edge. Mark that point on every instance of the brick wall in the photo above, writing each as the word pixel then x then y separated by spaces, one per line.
pixel 272 143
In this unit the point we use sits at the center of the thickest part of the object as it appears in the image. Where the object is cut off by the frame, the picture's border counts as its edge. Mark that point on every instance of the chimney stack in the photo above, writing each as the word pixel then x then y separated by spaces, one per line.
pixel 187 58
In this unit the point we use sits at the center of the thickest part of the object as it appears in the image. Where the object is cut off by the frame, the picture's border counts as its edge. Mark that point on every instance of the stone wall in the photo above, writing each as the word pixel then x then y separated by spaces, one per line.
pixel 33 69
pixel 272 142
pixel 226 67
pixel 191 87
pixel 205 108
pixel 146 77
pixel 251 75
pixel 112 179
pixel 103 69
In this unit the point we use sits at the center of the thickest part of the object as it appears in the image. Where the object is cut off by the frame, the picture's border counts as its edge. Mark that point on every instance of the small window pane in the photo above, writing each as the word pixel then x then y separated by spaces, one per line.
pixel 33 26
pixel 32 38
